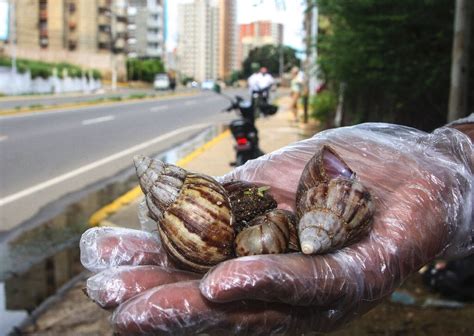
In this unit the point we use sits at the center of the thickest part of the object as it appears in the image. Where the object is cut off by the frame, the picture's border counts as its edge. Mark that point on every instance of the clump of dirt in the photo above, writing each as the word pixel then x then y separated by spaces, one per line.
pixel 248 201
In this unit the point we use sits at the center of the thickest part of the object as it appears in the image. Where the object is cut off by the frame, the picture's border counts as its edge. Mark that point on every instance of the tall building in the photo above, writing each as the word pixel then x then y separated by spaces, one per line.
pixel 227 38
pixel 198 39
pixel 146 28
pixel 257 34
pixel 82 32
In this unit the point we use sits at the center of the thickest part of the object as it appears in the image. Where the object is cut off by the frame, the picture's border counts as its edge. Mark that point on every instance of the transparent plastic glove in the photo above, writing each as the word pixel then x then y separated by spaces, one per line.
pixel 422 187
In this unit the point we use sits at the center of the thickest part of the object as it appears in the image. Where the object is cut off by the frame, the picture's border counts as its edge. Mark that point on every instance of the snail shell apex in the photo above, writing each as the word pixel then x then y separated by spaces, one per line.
pixel 325 165
pixel 192 211
pixel 333 215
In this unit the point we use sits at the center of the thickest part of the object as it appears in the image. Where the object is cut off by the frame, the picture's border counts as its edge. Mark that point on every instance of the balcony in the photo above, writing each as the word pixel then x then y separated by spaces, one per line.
pixel 43 33
pixel 43 14
pixel 154 23
pixel 154 52
pixel 72 24
pixel 153 37
pixel 103 20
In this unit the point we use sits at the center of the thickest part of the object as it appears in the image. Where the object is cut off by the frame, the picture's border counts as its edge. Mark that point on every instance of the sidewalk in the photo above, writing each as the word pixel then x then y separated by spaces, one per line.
pixel 73 313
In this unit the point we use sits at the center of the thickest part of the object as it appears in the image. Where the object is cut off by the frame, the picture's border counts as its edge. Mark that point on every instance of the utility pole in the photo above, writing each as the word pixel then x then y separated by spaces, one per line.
pixel 458 93
pixel 12 34
pixel 307 62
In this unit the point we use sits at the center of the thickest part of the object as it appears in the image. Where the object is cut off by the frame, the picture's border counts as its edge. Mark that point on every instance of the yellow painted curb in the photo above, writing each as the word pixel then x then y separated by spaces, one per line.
pixel 100 215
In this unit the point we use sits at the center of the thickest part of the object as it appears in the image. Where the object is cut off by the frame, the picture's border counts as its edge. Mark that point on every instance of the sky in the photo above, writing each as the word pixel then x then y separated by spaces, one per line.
pixel 292 18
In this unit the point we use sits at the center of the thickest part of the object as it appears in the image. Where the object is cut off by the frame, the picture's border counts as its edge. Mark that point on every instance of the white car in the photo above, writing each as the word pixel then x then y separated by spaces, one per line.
pixel 161 82
pixel 208 85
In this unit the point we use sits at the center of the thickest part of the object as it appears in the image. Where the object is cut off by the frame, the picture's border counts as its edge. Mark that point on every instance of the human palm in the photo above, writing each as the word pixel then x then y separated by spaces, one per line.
pixel 419 183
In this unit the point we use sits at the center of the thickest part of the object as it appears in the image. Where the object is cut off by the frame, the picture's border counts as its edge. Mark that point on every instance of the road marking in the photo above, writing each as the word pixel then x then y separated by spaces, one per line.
pixel 190 102
pixel 93 165
pixel 97 120
pixel 3 137
pixel 159 108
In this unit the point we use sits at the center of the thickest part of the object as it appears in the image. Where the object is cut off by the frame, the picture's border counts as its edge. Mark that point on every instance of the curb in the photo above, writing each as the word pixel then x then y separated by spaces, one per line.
pixel 99 217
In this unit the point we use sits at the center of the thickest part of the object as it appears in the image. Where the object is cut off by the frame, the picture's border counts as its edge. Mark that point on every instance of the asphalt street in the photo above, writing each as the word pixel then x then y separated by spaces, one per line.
pixel 44 155
pixel 8 103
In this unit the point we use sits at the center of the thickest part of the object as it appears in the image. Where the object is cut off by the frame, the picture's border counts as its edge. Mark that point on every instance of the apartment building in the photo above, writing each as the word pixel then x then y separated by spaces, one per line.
pixel 207 38
pixel 82 32
pixel 227 38
pixel 146 28
pixel 257 34
pixel 198 39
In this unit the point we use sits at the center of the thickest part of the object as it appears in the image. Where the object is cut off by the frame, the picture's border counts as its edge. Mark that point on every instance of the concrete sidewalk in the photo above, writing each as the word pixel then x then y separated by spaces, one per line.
pixel 72 313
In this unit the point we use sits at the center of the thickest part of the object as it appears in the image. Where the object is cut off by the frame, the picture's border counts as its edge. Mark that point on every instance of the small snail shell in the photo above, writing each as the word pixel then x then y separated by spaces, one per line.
pixel 271 233
pixel 192 211
pixel 334 215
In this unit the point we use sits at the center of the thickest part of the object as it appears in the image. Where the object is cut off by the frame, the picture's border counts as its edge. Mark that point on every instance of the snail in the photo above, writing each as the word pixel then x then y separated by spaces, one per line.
pixel 192 211
pixel 334 209
pixel 271 233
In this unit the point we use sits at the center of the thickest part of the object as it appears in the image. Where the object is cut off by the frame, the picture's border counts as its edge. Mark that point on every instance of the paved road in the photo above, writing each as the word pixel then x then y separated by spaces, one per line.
pixel 44 155
pixel 8 103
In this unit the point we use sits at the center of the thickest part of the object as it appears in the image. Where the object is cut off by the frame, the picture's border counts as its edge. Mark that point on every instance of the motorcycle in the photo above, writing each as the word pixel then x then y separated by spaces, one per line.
pixel 244 132
pixel 243 129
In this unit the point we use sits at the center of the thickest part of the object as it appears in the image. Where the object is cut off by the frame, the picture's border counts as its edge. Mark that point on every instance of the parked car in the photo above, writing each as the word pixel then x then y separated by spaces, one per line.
pixel 161 82
pixel 208 84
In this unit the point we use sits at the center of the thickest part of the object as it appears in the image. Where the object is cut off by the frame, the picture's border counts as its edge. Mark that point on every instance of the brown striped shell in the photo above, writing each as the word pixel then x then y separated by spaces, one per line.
pixel 334 215
pixel 271 233
pixel 192 211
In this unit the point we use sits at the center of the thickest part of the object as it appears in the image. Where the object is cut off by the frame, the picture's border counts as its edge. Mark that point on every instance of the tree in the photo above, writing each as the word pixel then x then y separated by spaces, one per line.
pixel 394 57
pixel 269 57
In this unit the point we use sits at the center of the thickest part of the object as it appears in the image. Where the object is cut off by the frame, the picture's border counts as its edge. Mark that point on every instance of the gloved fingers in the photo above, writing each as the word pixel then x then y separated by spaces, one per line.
pixel 115 285
pixel 104 247
pixel 180 309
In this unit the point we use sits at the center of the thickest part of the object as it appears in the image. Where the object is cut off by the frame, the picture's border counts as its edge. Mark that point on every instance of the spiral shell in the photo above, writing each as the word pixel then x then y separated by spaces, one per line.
pixel 334 215
pixel 333 208
pixel 192 211
pixel 271 233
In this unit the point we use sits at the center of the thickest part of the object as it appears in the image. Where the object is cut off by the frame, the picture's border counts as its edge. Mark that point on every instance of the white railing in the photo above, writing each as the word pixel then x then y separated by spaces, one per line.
pixel 21 83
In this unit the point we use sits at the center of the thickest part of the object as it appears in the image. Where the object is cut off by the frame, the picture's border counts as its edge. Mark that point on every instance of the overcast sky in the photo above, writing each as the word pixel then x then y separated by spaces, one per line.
pixel 292 18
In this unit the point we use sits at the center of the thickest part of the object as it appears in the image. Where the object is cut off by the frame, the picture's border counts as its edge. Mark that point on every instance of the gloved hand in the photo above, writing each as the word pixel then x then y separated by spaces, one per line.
pixel 422 188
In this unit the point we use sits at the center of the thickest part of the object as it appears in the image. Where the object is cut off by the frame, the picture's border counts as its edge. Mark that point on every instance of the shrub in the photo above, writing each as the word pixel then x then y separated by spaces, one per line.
pixel 323 105
pixel 144 70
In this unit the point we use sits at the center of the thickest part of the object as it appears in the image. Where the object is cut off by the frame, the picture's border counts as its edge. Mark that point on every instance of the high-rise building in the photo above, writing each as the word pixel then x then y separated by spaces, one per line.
pixel 227 38
pixel 81 32
pixel 146 28
pixel 198 39
pixel 257 34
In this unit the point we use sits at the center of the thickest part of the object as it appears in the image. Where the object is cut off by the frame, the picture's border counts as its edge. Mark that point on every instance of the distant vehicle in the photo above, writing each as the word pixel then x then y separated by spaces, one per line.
pixel 161 82
pixel 208 84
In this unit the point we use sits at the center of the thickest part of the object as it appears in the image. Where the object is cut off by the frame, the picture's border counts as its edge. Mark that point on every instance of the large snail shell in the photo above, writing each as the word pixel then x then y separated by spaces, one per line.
pixel 193 213
pixel 271 233
pixel 333 215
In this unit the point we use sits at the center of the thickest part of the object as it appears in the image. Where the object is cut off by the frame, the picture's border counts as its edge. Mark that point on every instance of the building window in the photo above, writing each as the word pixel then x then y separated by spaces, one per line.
pixel 103 45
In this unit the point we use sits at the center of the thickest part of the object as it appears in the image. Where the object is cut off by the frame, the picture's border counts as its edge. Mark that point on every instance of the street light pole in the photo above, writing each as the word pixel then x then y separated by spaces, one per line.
pixel 13 34
pixel 113 22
